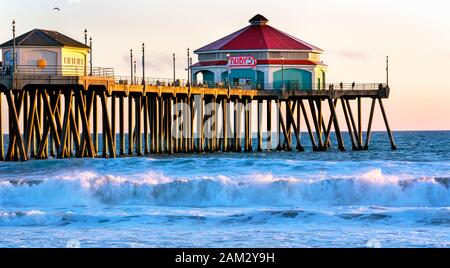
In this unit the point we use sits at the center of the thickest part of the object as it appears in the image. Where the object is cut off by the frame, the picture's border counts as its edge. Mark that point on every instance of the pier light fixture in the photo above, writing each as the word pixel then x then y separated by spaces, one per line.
pixel 387 70
pixel 131 66
pixel 188 67
pixel 143 64
pixel 14 49
pixel 174 65
pixel 90 58
pixel 135 78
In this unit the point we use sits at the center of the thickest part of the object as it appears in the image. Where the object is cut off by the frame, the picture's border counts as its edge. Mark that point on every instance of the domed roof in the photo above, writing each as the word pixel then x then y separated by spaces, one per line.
pixel 258 36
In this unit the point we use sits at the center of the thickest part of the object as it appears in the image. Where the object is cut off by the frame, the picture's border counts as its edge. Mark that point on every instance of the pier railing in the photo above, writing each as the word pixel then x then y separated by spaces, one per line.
pixel 57 70
pixel 288 85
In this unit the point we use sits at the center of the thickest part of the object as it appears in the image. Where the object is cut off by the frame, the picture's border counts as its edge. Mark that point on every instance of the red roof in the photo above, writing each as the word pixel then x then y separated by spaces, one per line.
pixel 258 36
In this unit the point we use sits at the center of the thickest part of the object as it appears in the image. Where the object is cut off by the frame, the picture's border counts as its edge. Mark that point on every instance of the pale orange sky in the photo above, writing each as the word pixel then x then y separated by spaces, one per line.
pixel 355 34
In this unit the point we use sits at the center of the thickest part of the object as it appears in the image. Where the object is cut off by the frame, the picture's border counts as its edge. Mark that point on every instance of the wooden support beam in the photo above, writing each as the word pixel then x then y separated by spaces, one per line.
pixel 160 148
pixel 269 124
pixel 107 130
pixel 130 125
pixel 36 136
pixel 50 124
pixel 95 122
pixel 283 126
pixel 15 135
pixel 237 126
pixel 177 130
pixel 308 125
pixel 105 144
pixel 25 114
pixel 169 125
pixel 192 138
pixel 352 120
pixel 360 133
pixel 85 102
pixel 2 144
pixel 113 121
pixel 290 115
pixel 186 127
pixel 280 118
pixel 316 124
pixel 14 148
pixel 298 122
pixel 29 123
pixel 388 128
pixel 337 128
pixel 327 127
pixel 40 121
pixel 85 110
pixel 75 130
pixel 62 150
pixel 225 129
pixel 250 116
pixel 153 126
pixel 138 125
pixel 121 126
pixel 349 126
pixel 260 109
pixel 369 126
pixel 201 124
pixel 145 114
pixel 246 123
pixel 320 122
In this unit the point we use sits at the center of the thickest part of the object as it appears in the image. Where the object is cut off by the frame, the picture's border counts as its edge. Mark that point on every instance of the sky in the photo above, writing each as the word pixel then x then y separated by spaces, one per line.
pixel 356 35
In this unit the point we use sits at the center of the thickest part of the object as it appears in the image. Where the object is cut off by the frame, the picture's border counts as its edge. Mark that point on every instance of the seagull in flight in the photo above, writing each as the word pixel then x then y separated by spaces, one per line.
pixel 57 8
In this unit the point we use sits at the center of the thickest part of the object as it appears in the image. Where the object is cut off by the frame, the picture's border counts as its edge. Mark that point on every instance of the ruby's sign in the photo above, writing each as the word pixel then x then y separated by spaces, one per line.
pixel 242 62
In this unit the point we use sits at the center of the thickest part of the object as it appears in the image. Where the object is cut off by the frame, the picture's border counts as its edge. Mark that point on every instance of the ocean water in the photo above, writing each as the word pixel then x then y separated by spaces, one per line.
pixel 271 199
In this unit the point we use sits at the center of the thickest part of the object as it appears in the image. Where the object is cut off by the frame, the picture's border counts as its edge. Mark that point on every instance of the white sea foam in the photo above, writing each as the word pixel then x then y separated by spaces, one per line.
pixel 90 189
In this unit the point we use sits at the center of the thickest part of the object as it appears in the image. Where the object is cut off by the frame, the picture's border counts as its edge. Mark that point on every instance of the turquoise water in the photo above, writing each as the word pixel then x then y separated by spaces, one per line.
pixel 271 199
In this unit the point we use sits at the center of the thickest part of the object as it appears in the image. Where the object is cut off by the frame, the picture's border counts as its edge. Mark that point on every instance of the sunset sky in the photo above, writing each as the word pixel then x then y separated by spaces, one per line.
pixel 356 35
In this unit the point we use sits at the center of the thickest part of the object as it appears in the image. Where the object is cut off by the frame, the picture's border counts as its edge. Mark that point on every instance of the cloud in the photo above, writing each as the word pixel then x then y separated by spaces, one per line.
pixel 73 2
pixel 351 54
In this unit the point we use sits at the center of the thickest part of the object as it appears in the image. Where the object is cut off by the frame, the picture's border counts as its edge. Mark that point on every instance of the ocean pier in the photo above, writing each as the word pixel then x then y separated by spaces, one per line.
pixel 59 116
pixel 57 101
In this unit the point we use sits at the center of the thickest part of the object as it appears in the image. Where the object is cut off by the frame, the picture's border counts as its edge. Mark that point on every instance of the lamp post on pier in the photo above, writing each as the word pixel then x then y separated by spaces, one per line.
pixel 90 57
pixel 387 70
pixel 174 65
pixel 13 73
pixel 188 71
pixel 134 76
pixel 143 64
pixel 85 43
pixel 131 66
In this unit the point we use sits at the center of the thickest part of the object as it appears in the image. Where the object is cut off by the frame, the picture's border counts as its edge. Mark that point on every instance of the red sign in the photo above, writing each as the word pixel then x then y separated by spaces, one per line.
pixel 242 62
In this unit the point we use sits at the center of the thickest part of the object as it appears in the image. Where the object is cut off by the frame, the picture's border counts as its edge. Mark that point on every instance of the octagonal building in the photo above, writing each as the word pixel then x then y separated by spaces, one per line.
pixel 283 61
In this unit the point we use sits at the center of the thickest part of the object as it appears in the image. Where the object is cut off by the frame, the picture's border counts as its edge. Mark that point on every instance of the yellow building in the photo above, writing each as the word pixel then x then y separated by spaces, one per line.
pixel 46 52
